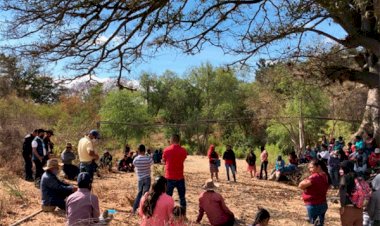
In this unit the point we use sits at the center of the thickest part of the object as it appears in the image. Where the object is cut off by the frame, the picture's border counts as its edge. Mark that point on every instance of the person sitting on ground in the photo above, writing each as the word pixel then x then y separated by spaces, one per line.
pixel 278 170
pixel 262 218
pixel 360 167
pixel 214 162
pixel 374 159
pixel 54 191
pixel 293 160
pixel 370 144
pixel 71 171
pixel 359 143
pixel 106 161
pixel 230 162
pixel 251 161
pixel 156 207
pixel 124 164
pixel 82 206
pixel 179 216
pixel 315 190
pixel 373 207
pixel 213 204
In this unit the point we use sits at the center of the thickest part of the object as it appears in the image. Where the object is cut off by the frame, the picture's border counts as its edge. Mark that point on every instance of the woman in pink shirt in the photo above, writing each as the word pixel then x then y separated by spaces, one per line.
pixel 156 207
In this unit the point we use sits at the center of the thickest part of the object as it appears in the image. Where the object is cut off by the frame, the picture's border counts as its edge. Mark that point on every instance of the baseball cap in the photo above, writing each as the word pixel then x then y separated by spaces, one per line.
pixel 95 133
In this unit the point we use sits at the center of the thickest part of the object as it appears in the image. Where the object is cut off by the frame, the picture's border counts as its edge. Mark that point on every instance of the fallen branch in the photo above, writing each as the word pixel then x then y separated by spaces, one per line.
pixel 26 218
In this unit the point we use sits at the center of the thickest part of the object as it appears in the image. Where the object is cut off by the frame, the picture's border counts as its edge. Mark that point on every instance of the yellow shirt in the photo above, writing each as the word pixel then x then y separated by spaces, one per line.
pixel 84 147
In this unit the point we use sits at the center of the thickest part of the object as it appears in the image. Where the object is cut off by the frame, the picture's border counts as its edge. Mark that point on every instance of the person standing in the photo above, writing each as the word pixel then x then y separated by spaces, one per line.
pixel 230 162
pixel 315 190
pixel 212 203
pixel 349 214
pixel 27 155
pixel 251 161
pixel 49 145
pixel 373 208
pixel 67 156
pixel 264 162
pixel 174 157
pixel 213 161
pixel 82 206
pixel 142 165
pixel 40 155
pixel 87 153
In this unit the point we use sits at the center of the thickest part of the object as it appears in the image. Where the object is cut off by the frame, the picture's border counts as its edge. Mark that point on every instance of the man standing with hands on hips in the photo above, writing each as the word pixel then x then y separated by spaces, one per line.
pixel 87 153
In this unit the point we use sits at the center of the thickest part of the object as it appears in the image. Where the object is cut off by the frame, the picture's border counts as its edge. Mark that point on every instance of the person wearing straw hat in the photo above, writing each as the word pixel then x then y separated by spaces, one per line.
pixel 213 204
pixel 54 191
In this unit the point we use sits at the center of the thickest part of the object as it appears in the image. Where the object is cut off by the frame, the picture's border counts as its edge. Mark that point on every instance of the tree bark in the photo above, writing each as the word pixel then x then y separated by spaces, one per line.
pixel 371 119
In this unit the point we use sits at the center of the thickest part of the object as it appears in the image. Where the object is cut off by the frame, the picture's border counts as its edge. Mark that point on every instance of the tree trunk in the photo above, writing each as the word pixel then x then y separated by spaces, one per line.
pixel 371 120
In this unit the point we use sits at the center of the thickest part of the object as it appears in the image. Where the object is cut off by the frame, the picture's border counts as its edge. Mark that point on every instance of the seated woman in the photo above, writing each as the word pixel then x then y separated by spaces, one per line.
pixel 106 161
pixel 156 207
pixel 279 169
pixel 126 164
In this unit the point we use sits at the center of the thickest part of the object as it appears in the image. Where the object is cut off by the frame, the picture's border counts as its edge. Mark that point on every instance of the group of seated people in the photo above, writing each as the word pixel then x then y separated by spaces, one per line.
pixel 156 207
pixel 363 153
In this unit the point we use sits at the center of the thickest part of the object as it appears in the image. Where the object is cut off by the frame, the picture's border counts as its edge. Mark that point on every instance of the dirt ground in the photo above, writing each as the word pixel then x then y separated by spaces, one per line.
pixel 117 190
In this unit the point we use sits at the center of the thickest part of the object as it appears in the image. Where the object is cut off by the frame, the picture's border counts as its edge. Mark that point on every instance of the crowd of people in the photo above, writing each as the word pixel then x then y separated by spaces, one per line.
pixel 331 164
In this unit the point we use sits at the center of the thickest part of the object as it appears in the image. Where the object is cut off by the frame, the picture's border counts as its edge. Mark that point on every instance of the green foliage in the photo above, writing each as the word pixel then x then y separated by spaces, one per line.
pixel 121 107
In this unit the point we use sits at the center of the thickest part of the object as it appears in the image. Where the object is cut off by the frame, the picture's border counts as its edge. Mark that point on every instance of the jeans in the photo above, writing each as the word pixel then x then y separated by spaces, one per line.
pixel 233 171
pixel 89 167
pixel 143 187
pixel 28 166
pixel 317 213
pixel 334 175
pixel 264 166
pixel 181 188
pixel 71 171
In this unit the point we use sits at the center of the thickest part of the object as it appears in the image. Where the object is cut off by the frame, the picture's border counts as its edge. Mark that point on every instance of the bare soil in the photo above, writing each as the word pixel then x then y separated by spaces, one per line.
pixel 117 191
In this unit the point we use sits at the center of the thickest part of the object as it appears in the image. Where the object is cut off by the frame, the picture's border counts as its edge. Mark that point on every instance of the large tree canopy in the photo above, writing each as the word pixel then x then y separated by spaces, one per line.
pixel 93 34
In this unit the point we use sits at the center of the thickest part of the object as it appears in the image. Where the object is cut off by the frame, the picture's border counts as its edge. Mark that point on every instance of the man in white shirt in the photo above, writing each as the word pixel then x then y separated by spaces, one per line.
pixel 40 155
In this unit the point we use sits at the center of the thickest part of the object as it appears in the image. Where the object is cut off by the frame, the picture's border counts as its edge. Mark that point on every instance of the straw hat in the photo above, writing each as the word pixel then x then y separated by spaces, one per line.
pixel 51 164
pixel 210 185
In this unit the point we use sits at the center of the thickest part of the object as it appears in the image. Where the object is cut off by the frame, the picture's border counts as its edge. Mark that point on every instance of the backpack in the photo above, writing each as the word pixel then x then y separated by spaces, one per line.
pixel 361 194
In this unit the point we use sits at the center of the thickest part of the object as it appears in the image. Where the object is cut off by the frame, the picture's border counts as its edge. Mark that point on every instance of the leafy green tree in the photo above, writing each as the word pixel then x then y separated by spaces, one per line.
pixel 123 112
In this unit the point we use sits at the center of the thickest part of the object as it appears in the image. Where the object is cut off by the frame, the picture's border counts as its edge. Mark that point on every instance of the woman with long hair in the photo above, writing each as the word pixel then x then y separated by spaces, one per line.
pixel 156 207
pixel 213 160
pixel 315 190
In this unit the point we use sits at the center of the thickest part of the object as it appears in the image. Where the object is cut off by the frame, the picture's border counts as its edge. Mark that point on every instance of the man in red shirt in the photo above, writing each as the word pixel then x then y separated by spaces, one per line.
pixel 173 157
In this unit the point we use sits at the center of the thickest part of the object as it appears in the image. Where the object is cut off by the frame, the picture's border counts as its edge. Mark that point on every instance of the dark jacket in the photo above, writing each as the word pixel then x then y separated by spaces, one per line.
pixel 53 190
pixel 251 159
pixel 27 145
pixel 229 155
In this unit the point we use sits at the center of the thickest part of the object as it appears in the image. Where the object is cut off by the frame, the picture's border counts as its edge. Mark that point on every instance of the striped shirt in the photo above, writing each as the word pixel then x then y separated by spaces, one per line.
pixel 142 165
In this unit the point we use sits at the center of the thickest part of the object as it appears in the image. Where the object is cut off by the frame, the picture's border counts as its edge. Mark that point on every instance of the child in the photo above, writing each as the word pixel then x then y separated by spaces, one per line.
pixel 251 161
pixel 179 216
pixel 262 218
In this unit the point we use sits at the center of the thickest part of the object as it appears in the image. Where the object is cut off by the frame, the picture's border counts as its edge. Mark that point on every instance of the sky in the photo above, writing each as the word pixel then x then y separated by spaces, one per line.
pixel 173 60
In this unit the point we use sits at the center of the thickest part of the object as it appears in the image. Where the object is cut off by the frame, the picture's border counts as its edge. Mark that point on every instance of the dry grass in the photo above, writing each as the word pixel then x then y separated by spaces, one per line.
pixel 117 191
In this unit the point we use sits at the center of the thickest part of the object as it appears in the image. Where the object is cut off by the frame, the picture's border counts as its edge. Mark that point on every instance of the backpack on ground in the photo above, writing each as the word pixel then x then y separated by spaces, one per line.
pixel 361 194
